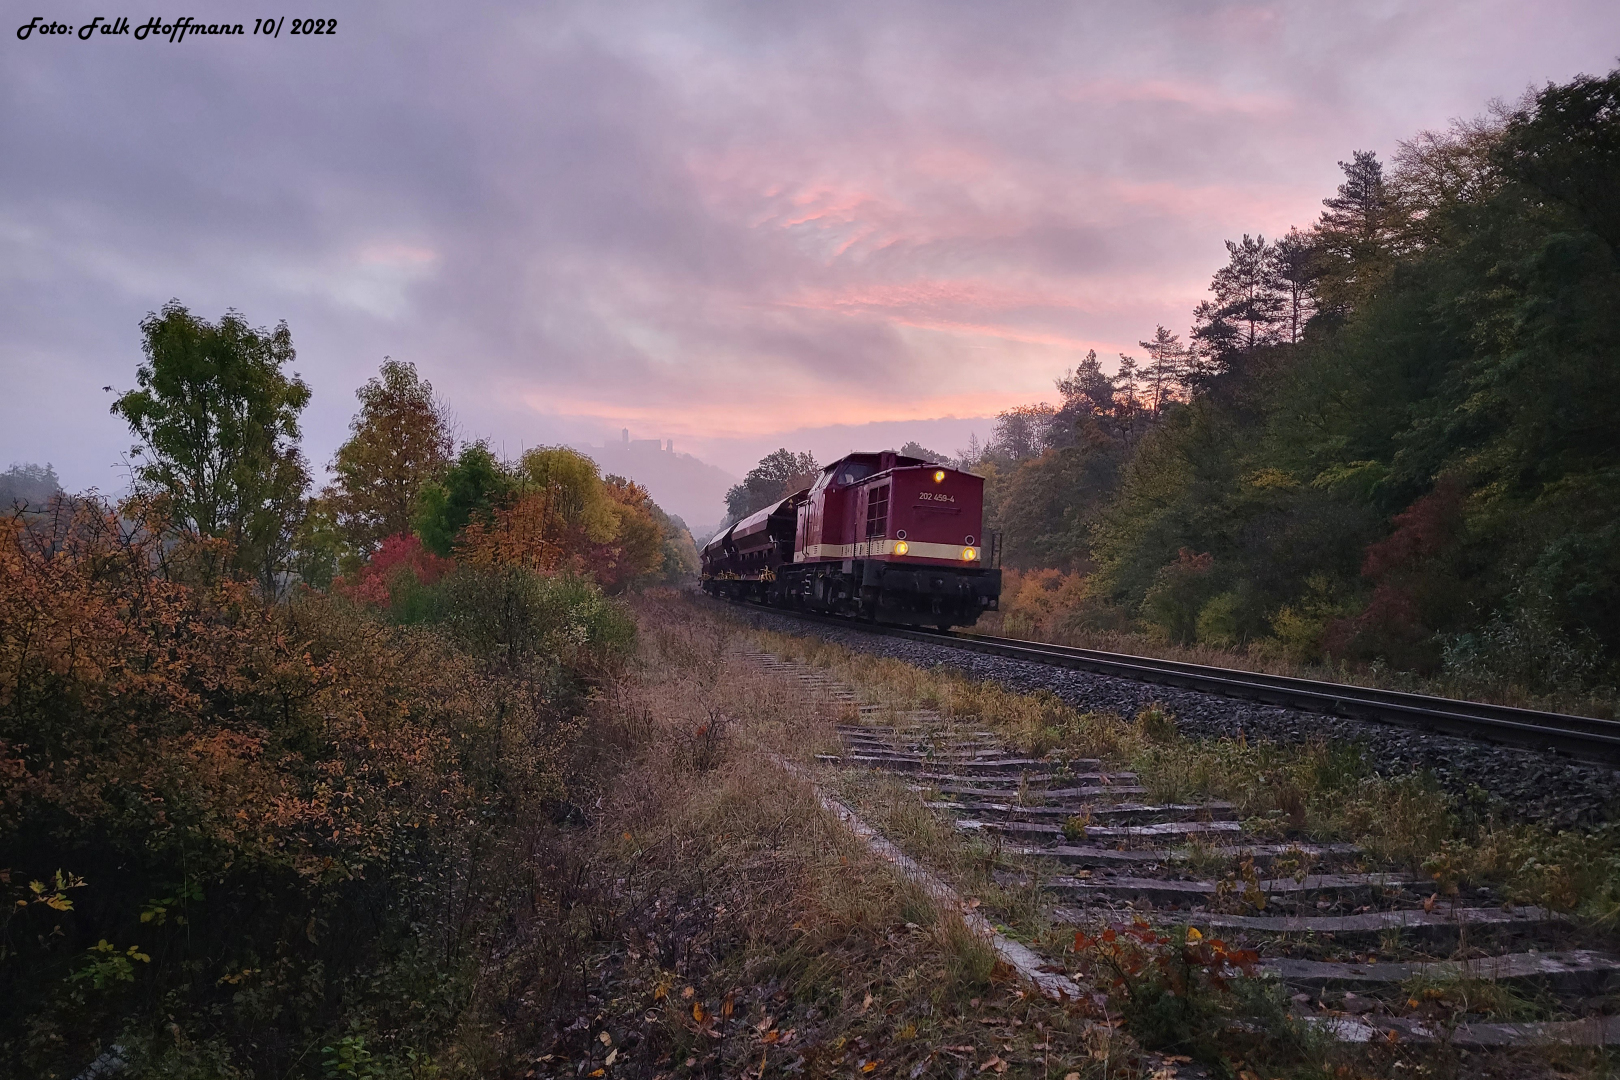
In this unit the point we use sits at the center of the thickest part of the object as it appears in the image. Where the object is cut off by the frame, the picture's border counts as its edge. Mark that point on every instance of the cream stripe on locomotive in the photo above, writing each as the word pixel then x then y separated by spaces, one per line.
pixel 914 548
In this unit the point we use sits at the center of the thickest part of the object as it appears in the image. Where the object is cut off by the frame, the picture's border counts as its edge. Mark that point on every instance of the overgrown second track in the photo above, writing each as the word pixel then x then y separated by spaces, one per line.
pixel 1346 942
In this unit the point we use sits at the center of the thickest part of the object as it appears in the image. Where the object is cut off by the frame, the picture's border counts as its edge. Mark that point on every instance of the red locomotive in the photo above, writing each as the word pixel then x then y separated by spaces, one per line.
pixel 878 536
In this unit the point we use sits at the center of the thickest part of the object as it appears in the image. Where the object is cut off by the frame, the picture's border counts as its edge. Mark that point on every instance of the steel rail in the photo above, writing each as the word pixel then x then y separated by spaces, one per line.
pixel 1583 737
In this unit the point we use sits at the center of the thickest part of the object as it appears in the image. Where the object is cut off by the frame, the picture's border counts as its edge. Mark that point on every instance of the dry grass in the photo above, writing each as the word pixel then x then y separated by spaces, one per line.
pixel 732 926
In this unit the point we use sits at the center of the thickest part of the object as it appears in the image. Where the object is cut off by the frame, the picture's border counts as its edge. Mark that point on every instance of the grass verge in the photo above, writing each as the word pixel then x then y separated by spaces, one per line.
pixel 726 925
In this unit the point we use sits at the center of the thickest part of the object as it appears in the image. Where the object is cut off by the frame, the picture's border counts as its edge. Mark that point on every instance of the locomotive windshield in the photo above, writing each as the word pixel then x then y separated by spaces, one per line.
pixel 851 471
pixel 846 473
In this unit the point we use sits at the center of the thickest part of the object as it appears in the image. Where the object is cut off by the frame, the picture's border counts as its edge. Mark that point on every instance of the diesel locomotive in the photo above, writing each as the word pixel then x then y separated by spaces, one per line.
pixel 881 537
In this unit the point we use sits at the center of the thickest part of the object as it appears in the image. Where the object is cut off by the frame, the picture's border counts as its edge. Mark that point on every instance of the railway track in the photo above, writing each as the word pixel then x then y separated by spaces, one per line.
pixel 1580 737
pixel 1364 948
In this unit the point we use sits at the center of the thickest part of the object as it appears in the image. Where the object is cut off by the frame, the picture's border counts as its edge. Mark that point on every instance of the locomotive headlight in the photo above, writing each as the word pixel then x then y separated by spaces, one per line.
pixel 968 554
pixel 939 476
pixel 901 548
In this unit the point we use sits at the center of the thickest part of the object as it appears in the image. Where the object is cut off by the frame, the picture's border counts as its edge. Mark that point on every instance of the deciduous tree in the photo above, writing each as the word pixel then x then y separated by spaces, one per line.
pixel 399 441
pixel 778 474
pixel 469 491
pixel 217 417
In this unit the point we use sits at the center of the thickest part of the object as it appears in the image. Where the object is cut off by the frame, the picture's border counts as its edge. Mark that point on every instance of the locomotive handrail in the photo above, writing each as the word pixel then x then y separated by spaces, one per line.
pixel 1584 737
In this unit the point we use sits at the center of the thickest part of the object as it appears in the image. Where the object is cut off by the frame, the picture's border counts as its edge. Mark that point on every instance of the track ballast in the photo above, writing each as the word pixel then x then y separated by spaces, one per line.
pixel 1581 737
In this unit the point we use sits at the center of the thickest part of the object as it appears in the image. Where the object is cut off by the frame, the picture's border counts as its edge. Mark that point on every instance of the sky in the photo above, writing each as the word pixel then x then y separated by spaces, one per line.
pixel 733 225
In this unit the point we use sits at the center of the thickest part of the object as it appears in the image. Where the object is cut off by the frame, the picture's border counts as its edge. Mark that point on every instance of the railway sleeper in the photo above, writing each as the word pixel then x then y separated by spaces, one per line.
pixel 1592 1031
pixel 1123 834
pixel 1132 813
pixel 1022 779
pixel 932 734
pixel 1407 920
pixel 1033 795
pixel 1097 855
pixel 909 763
pixel 1579 971
pixel 1334 888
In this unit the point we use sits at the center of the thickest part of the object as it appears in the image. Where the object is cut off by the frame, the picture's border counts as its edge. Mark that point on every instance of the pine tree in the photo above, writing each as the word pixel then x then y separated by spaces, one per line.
pixel 1295 268
pixel 1166 369
pixel 1248 310
pixel 1355 235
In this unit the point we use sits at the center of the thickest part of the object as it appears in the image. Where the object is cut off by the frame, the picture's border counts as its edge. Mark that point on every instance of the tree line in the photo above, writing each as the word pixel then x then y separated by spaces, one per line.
pixel 217 413
pixel 1386 438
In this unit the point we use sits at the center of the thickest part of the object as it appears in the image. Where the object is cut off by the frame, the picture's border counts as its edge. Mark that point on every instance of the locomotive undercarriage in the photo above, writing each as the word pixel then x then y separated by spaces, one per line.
pixel 908 595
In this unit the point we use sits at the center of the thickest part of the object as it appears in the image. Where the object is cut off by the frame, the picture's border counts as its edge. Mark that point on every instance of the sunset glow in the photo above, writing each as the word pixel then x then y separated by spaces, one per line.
pixel 693 225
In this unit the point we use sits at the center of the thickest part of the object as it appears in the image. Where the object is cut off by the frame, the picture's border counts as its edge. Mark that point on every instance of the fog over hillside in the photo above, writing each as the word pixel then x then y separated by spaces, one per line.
pixel 26 484
pixel 692 490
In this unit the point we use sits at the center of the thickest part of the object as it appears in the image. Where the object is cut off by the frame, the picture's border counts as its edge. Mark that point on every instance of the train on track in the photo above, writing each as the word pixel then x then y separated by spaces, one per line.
pixel 880 537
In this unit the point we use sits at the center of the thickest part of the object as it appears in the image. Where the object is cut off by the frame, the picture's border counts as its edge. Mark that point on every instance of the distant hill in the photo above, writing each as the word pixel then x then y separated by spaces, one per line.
pixel 692 490
pixel 28 485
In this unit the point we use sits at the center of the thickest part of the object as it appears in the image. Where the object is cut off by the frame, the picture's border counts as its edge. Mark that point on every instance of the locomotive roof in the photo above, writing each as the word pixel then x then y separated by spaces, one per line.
pixel 874 460
pixel 900 460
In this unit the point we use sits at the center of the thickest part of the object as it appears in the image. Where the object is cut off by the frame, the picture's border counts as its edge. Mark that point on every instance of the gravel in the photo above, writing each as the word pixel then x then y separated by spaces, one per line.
pixel 1524 785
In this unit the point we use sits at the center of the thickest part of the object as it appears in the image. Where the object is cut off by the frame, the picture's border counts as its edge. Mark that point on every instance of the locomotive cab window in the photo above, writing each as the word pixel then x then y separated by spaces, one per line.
pixel 877 511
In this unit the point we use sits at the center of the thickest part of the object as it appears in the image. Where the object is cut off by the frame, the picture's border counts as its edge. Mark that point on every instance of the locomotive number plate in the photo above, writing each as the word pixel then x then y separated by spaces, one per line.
pixel 936 496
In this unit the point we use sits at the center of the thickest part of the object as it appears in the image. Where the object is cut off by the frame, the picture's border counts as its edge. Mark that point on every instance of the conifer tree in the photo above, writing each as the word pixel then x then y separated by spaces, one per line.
pixel 1355 235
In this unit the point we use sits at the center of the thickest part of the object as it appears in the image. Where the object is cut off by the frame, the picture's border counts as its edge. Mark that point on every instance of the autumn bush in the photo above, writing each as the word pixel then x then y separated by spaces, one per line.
pixel 240 837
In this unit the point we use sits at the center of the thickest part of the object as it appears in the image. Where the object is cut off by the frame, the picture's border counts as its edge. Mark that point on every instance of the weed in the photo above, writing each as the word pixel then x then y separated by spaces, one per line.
pixel 1174 988
pixel 1156 724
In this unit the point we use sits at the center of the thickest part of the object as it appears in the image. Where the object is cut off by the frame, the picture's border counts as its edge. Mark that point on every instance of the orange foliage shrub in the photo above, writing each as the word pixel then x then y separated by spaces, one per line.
pixel 529 534
pixel 256 797
pixel 1035 602
pixel 534 535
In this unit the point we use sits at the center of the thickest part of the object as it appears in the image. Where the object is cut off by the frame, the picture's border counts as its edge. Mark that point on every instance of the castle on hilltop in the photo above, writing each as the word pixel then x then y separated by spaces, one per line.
pixel 628 443
pixel 684 486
